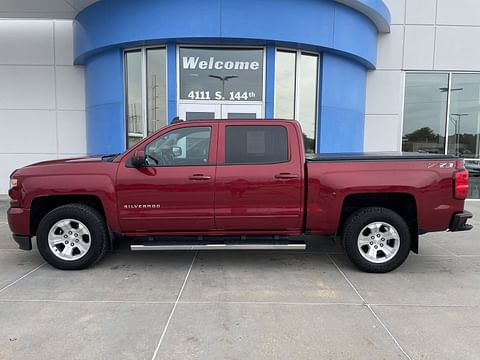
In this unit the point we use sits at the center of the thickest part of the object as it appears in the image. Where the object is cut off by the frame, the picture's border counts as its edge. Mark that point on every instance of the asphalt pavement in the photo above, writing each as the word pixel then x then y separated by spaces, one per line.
pixel 244 304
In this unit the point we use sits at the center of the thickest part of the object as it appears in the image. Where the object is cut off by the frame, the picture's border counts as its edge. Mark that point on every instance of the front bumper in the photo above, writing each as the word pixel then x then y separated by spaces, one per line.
pixel 19 222
pixel 459 222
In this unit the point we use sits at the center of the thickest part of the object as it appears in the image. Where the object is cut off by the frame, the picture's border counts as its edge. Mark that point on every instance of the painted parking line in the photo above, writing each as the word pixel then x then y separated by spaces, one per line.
pixel 227 302
pixel 268 303
pixel 58 301
pixel 428 305
pixel 369 306
pixel 20 278
pixel 174 307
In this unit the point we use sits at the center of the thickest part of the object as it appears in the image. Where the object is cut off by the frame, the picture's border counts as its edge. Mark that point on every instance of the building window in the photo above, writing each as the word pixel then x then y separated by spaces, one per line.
pixel 442 115
pixel 425 113
pixel 133 86
pixel 146 92
pixel 296 84
pixel 464 121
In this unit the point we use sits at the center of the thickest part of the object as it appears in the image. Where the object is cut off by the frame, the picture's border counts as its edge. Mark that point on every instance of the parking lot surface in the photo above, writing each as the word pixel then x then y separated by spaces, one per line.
pixel 244 304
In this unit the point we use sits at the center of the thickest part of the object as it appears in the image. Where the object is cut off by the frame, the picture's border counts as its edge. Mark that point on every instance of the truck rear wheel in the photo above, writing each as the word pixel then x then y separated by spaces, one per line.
pixel 376 239
pixel 72 237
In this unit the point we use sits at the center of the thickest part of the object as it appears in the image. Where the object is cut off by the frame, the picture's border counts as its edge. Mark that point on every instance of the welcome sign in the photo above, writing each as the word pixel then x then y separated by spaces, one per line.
pixel 193 63
pixel 221 74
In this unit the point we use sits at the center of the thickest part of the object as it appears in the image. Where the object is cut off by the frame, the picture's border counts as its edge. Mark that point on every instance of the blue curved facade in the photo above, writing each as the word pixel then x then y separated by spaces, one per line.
pixel 344 32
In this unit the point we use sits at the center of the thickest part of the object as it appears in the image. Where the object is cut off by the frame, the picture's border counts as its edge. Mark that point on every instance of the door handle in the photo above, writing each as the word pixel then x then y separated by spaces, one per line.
pixel 286 176
pixel 199 177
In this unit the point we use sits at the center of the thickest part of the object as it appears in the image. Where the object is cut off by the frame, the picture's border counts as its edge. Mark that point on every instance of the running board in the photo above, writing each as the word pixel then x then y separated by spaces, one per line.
pixel 289 246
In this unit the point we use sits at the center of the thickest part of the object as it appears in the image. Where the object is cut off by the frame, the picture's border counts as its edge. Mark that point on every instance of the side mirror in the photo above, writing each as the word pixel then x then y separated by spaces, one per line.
pixel 138 159
pixel 176 151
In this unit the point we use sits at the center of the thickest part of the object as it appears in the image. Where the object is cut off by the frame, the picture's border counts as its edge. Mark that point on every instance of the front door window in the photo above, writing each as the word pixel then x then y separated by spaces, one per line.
pixel 181 147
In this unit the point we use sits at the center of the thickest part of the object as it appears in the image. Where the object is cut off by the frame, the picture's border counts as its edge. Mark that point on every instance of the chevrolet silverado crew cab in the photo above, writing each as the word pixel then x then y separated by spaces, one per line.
pixel 235 184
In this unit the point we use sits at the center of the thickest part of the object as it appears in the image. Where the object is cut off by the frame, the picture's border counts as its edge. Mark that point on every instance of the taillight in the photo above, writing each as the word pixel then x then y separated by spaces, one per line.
pixel 460 185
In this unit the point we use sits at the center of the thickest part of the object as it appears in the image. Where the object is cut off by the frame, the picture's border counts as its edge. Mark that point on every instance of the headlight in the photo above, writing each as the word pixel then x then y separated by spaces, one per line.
pixel 13 183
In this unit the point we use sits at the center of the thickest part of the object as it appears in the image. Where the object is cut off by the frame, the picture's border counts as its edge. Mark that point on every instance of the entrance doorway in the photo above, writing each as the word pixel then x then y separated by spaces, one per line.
pixel 220 83
pixel 195 111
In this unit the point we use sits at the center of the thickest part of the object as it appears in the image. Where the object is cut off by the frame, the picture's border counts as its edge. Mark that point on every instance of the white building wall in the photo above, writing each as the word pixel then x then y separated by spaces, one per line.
pixel 42 97
pixel 427 35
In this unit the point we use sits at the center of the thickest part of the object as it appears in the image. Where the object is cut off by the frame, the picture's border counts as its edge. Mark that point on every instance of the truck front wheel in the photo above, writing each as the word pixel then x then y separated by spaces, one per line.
pixel 376 239
pixel 72 237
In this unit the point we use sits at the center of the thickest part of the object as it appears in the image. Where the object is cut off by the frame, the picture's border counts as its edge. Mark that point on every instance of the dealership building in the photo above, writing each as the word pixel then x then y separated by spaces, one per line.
pixel 94 77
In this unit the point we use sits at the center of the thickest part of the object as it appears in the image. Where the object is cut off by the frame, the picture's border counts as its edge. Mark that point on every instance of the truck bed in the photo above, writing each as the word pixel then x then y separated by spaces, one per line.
pixel 378 156
pixel 424 180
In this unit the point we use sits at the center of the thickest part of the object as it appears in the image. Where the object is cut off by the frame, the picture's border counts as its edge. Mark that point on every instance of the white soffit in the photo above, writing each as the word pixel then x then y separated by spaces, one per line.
pixel 42 9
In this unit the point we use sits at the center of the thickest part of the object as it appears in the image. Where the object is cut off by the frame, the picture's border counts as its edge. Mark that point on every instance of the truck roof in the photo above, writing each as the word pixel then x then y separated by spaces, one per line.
pixel 232 120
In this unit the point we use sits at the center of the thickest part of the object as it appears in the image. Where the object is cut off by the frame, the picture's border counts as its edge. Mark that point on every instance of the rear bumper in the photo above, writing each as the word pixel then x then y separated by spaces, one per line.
pixel 459 222
pixel 24 242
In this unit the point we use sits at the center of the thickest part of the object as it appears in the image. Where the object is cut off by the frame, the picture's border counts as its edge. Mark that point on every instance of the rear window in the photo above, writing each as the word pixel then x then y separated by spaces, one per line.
pixel 256 144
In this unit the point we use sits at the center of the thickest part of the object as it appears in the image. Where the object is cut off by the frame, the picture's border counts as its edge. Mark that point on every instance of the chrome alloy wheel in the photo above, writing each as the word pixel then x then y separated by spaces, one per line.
pixel 69 239
pixel 378 242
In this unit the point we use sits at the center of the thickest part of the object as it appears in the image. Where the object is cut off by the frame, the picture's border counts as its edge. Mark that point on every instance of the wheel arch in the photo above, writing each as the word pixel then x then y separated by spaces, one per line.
pixel 403 204
pixel 42 205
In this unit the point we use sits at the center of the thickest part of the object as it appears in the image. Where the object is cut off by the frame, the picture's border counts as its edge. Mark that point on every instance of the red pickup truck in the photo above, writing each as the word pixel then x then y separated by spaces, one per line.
pixel 235 184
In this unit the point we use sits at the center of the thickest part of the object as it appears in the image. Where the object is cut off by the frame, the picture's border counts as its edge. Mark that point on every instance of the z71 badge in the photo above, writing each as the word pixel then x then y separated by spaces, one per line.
pixel 443 165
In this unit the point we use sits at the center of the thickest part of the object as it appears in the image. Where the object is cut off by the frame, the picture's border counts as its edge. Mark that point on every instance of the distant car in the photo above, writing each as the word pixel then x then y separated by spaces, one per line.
pixel 473 167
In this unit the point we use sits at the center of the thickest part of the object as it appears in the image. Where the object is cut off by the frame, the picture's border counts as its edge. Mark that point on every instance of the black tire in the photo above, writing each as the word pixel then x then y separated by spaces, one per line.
pixel 94 223
pixel 358 221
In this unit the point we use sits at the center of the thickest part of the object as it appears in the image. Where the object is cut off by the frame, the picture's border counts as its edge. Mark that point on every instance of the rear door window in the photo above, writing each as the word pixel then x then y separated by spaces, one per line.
pixel 246 144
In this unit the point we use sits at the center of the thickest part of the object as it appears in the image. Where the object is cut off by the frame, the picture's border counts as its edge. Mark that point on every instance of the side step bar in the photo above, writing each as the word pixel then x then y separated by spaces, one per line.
pixel 147 247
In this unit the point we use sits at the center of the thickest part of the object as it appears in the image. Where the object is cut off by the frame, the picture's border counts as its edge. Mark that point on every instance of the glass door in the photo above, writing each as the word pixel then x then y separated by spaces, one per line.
pixel 191 111
pixel 241 111
pixel 220 82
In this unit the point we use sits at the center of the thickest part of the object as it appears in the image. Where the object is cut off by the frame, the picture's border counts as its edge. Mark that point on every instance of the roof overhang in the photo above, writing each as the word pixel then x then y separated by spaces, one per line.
pixel 375 10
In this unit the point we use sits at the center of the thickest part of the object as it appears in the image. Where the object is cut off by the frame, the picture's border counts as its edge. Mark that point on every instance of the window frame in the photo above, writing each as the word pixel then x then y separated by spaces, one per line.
pixel 447 115
pixel 296 101
pixel 449 98
pixel 143 51
pixel 224 130
pixel 181 102
pixel 404 84
pixel 210 146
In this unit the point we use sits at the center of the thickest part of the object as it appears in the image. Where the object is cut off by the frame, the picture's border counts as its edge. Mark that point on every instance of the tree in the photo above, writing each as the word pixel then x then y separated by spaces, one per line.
pixel 425 134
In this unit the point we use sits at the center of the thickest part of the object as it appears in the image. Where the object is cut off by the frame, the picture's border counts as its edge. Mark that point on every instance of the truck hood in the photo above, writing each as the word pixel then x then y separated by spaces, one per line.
pixel 82 165
pixel 85 159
